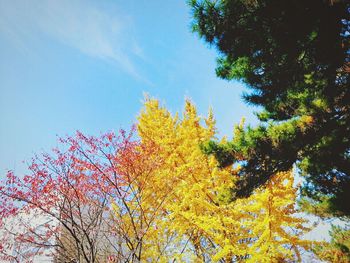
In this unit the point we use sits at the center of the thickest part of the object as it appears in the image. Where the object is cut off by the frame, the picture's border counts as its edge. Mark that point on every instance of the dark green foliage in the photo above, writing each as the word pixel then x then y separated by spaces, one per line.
pixel 294 56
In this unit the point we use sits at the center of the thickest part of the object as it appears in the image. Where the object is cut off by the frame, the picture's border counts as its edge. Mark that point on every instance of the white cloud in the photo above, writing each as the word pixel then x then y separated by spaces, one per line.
pixel 84 25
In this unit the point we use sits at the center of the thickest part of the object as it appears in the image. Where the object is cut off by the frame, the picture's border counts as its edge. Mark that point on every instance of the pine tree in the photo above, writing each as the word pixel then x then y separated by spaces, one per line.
pixel 294 56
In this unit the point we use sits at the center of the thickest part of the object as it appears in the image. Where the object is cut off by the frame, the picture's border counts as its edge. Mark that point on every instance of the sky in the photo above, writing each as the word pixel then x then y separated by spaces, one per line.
pixel 85 65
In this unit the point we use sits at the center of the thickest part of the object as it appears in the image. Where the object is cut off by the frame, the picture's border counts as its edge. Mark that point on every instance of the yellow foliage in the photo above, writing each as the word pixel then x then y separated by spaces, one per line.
pixel 184 203
pixel 277 229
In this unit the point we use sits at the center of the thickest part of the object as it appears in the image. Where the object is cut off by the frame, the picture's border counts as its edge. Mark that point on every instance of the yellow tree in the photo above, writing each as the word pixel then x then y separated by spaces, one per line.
pixel 192 181
pixel 204 224
pixel 275 227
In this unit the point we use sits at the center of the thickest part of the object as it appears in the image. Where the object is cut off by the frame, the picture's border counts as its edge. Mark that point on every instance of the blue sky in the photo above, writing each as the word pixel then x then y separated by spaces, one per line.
pixel 71 65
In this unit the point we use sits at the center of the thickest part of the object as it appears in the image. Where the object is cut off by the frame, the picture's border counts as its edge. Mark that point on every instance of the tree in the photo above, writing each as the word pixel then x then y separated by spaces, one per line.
pixel 294 56
pixel 198 208
pixel 277 229
pixel 187 175
pixel 79 204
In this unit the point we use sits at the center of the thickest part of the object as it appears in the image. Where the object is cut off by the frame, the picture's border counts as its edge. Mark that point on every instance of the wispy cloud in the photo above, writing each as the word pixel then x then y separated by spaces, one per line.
pixel 94 30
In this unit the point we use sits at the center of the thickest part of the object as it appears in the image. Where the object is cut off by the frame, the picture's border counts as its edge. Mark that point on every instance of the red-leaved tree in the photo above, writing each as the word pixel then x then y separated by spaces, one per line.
pixel 63 208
